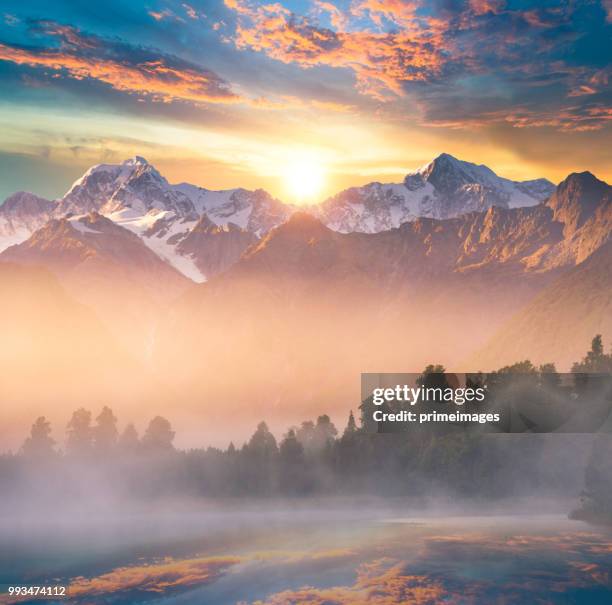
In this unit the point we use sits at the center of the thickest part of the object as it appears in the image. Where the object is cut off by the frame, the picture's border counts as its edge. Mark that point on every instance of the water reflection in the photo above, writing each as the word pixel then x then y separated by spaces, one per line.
pixel 354 559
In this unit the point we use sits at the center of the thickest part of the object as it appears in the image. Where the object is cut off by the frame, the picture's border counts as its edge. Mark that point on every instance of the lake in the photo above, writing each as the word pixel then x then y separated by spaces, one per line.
pixel 310 552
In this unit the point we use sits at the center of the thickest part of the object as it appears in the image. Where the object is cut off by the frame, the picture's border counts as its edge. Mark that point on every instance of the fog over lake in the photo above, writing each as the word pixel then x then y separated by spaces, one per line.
pixel 314 551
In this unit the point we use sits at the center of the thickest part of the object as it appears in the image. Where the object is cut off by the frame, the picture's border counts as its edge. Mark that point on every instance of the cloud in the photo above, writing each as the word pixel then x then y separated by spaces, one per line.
pixel 72 57
pixel 591 83
pixel 135 70
pixel 190 11
pixel 400 12
pixel 482 7
pixel 576 118
pixel 338 18
pixel 381 62
pixel 435 54
pixel 165 14
pixel 10 19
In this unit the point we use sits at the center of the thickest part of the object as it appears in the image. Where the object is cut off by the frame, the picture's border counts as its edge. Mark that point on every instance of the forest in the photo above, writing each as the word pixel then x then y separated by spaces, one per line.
pixel 313 459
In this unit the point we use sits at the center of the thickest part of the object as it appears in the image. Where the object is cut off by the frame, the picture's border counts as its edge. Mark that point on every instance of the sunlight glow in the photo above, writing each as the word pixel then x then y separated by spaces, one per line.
pixel 304 179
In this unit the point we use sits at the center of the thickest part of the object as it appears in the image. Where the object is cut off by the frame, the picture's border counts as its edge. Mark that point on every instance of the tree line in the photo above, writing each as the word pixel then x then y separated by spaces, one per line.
pixel 313 458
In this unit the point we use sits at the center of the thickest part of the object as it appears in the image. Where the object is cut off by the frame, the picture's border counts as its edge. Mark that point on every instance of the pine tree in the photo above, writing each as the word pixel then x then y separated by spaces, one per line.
pixel 159 435
pixel 595 361
pixel 306 435
pixel 129 442
pixel 263 443
pixel 105 432
pixel 40 444
pixel 351 425
pixel 292 464
pixel 325 431
pixel 260 458
pixel 549 375
pixel 80 434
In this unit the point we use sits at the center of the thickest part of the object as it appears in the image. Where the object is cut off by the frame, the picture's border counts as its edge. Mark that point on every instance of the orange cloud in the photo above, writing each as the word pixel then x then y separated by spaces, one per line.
pixel 157 76
pixel 165 14
pixel 381 62
pixel 144 73
pixel 339 19
pixel 482 7
pixel 191 12
pixel 400 12
pixel 577 119
pixel 592 84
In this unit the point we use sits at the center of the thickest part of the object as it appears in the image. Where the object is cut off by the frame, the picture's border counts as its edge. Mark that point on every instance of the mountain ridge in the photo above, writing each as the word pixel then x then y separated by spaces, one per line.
pixel 299 309
pixel 99 263
pixel 559 323
pixel 444 188
pixel 168 217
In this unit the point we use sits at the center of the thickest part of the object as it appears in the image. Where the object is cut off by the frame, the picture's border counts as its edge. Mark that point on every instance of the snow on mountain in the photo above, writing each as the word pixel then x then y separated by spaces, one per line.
pixel 106 267
pixel 215 248
pixel 80 224
pixel 202 232
pixel 136 196
pixel 164 236
pixel 444 188
pixel 21 214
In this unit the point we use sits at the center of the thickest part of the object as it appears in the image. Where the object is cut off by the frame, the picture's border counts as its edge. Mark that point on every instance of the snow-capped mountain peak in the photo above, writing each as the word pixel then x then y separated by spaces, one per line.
pixel 20 215
pixel 106 187
pixel 444 188
pixel 171 218
pixel 447 174
pixel 134 195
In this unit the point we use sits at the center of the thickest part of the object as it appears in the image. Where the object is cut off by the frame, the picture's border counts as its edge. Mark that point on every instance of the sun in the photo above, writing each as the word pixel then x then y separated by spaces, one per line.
pixel 304 179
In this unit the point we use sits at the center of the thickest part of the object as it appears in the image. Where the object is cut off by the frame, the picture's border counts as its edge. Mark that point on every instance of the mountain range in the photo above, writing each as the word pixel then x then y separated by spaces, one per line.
pixel 202 232
pixel 310 306
pixel 133 195
pixel 455 265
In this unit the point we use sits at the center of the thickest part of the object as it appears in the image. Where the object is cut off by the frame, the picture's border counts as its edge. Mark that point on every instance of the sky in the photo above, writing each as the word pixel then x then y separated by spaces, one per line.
pixel 229 93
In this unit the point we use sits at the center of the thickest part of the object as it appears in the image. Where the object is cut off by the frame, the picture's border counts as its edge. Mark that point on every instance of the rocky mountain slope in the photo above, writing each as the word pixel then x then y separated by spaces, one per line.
pixel 134 195
pixel 444 188
pixel 294 310
pixel 106 267
pixel 55 351
pixel 20 215
pixel 202 232
pixel 560 322
pixel 307 309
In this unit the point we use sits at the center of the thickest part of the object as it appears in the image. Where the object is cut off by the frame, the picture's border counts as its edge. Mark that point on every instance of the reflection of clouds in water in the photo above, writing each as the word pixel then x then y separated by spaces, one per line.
pixel 291 557
pixel 155 577
pixel 515 569
pixel 388 566
pixel 576 542
pixel 597 573
pixel 378 583
pixel 562 546
pixel 173 574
